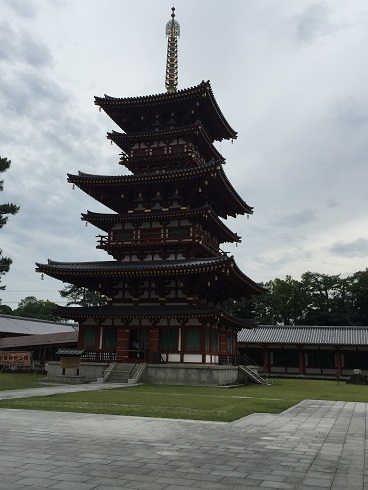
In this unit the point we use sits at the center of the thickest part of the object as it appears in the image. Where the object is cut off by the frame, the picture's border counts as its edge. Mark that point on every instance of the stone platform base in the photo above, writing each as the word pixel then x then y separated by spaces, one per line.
pixel 192 374
pixel 90 371
pixel 70 380
pixel 165 374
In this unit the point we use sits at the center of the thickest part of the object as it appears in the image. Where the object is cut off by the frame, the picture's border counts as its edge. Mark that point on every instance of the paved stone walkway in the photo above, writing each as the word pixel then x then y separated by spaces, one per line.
pixel 314 445
pixel 55 389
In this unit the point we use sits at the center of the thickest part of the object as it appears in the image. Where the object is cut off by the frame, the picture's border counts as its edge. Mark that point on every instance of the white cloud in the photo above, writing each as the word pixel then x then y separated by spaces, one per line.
pixel 22 9
pixel 313 22
pixel 355 248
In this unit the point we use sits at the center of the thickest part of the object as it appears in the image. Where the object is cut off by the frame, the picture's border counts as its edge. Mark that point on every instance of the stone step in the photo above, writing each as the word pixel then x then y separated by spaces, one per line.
pixel 118 379
pixel 122 373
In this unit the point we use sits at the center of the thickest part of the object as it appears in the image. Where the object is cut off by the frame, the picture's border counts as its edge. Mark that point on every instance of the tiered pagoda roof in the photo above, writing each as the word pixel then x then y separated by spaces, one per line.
pixel 209 178
pixel 203 214
pixel 154 314
pixel 193 104
pixel 195 132
pixel 101 275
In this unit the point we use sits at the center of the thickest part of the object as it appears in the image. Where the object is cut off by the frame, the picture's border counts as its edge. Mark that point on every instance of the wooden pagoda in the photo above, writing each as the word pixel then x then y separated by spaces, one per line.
pixel 169 277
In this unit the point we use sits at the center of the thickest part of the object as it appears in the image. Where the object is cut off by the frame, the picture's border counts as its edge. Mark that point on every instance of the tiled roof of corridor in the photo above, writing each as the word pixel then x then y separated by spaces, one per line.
pixel 305 335
pixel 30 326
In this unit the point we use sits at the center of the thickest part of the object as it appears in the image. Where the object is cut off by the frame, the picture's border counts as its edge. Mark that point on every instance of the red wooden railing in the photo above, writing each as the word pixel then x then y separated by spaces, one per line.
pixel 229 360
pixel 130 355
pixel 152 237
pixel 98 356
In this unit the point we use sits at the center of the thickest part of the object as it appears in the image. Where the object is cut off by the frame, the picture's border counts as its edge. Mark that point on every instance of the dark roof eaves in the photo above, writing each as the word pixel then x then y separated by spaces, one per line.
pixel 112 266
pixel 177 131
pixel 212 165
pixel 155 177
pixel 205 210
pixel 153 98
pixel 169 97
pixel 141 311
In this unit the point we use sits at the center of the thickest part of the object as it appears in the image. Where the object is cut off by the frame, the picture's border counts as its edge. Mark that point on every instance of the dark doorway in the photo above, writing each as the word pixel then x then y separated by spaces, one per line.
pixel 138 343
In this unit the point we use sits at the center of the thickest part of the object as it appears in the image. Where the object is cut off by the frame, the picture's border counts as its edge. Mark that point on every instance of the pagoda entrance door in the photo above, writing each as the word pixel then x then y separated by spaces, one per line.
pixel 138 344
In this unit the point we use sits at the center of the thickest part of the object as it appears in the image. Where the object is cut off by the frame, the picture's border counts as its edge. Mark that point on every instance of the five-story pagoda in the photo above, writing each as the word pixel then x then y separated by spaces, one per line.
pixel 169 277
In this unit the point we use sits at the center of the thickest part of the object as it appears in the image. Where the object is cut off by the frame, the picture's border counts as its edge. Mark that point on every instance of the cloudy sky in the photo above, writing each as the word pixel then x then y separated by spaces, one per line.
pixel 291 77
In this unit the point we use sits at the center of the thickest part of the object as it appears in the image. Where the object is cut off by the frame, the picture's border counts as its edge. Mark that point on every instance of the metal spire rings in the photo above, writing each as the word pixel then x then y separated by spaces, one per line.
pixel 172 33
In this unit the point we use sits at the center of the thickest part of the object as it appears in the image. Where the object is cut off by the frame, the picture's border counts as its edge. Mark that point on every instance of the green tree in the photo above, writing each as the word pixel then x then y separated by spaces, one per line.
pixel 82 296
pixel 325 299
pixel 5 210
pixel 357 292
pixel 285 303
pixel 5 310
pixel 317 299
pixel 242 309
pixel 31 307
pixel 282 305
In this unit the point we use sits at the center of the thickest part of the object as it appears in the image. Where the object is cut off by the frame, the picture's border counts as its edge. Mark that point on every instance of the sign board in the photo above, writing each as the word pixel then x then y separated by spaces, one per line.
pixel 70 362
pixel 15 358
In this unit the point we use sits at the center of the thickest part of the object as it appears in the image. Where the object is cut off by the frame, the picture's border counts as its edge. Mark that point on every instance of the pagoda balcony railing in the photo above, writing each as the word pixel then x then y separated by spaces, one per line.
pixel 229 360
pixel 158 239
pixel 154 151
pixel 180 150
pixel 98 356
pixel 141 355
pixel 206 242
pixel 131 355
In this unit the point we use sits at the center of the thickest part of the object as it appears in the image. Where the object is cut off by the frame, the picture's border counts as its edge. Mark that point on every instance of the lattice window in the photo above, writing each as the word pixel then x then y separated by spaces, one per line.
pixel 193 339
pixel 168 339
pixel 178 232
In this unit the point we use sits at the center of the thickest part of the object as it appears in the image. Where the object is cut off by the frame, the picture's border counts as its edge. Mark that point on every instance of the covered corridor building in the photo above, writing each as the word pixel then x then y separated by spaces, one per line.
pixel 306 350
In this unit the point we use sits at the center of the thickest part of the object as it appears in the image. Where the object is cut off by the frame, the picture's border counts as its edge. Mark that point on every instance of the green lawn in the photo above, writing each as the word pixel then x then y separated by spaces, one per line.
pixel 219 404
pixel 14 381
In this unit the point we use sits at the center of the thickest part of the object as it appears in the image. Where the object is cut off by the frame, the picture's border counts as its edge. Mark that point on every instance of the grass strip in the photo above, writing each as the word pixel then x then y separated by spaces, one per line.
pixel 195 403
pixel 15 381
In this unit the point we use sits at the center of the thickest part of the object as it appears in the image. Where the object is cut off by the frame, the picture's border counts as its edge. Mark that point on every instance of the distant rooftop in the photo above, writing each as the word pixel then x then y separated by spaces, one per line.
pixel 17 325
pixel 43 340
pixel 305 335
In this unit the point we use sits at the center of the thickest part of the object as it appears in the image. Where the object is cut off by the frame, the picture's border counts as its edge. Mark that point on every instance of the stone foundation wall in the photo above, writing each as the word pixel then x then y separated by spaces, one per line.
pixel 197 374
pixel 90 370
pixel 169 374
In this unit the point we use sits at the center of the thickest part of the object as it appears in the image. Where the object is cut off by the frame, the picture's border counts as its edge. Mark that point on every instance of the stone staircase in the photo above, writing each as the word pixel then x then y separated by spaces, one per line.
pixel 252 375
pixel 124 373
pixel 121 373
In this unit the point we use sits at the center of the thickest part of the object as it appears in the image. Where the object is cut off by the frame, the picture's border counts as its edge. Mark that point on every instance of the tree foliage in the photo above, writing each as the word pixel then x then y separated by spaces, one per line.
pixel 357 298
pixel 317 299
pixel 82 296
pixel 5 210
pixel 32 307
pixel 5 310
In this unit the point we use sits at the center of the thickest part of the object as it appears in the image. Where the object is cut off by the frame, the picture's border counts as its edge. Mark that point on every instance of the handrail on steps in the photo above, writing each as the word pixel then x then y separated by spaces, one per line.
pixel 137 373
pixel 106 373
pixel 254 376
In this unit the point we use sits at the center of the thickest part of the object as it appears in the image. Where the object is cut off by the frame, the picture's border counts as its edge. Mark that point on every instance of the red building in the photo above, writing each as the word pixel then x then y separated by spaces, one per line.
pixel 169 277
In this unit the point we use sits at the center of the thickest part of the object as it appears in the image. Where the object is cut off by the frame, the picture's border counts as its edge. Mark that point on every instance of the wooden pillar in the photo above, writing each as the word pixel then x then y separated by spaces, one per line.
pixel 338 362
pixel 153 339
pixel 181 340
pixel 235 345
pixel 122 347
pixel 266 364
pixel 80 336
pixel 203 342
pixel 223 343
pixel 301 361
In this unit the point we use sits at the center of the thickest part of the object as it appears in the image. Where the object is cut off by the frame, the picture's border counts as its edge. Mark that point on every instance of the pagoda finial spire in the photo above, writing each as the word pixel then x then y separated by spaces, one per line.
pixel 172 33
